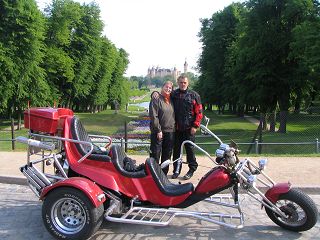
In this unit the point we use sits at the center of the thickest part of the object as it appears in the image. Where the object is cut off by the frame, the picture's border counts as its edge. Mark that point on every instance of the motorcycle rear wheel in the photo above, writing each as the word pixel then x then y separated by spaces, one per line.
pixel 68 213
pixel 301 211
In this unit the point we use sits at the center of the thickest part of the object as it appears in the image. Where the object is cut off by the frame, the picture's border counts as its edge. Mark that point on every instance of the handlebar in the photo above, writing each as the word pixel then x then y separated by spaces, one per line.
pixel 206 130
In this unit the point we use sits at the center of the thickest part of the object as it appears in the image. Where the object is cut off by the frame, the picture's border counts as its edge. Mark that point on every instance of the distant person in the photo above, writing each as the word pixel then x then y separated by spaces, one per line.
pixel 188 115
pixel 162 125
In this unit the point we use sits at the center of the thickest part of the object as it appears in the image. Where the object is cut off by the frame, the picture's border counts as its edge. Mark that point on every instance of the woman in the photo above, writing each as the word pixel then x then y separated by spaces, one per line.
pixel 162 125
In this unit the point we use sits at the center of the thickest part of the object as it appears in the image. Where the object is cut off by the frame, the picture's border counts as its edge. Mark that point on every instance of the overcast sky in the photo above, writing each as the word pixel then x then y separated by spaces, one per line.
pixel 155 32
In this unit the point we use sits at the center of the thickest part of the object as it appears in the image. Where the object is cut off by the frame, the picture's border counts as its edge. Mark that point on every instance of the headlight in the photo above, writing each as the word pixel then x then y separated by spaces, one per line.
pixel 224 146
pixel 262 164
pixel 219 153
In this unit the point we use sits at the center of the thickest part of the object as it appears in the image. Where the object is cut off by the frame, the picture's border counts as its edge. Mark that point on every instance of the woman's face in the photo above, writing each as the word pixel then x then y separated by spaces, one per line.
pixel 167 88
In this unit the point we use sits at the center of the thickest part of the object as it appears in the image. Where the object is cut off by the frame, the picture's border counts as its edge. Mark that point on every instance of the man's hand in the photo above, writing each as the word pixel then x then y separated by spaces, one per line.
pixel 155 95
pixel 193 130
pixel 159 135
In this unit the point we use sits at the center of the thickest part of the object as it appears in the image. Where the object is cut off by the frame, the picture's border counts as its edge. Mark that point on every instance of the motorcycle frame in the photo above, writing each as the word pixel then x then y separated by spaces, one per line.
pixel 242 169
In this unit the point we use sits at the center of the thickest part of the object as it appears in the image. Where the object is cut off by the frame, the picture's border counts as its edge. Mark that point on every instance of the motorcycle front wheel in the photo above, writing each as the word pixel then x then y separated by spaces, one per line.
pixel 300 210
pixel 68 213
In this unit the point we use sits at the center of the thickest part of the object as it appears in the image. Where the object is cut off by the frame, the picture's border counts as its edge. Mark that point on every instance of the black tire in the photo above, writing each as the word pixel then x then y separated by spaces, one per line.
pixel 302 212
pixel 68 213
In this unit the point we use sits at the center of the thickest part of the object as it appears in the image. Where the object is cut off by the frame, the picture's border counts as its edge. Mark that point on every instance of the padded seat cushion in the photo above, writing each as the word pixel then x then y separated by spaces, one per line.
pixel 118 157
pixel 79 133
pixel 165 186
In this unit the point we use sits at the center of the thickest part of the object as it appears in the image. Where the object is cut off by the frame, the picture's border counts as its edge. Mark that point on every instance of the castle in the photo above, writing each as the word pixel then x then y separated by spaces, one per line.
pixel 162 72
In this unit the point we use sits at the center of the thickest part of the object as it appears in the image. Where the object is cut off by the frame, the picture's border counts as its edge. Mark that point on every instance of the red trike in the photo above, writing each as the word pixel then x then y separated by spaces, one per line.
pixel 81 184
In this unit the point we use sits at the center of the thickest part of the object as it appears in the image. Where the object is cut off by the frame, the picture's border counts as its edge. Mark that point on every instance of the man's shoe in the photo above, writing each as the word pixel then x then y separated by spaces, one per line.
pixel 175 175
pixel 188 175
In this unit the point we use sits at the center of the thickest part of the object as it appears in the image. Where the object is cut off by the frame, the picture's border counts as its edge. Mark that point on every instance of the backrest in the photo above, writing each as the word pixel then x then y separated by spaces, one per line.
pixel 118 156
pixel 79 133
pixel 157 173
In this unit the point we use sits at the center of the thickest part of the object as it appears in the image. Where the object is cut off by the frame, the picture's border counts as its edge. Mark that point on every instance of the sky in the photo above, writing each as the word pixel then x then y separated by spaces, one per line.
pixel 159 33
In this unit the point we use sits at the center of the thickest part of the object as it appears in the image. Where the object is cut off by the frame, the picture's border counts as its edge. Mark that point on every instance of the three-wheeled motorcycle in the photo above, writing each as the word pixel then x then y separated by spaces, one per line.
pixel 81 183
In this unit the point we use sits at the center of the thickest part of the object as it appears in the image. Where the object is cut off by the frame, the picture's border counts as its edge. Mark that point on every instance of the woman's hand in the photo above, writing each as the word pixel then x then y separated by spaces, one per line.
pixel 193 130
pixel 159 135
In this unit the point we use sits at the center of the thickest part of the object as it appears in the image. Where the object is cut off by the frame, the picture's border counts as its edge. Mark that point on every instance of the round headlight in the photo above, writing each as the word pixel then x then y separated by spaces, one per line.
pixel 219 153
pixel 224 146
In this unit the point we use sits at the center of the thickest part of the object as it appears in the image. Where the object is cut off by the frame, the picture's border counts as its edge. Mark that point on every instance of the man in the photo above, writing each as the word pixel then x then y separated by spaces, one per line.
pixel 188 115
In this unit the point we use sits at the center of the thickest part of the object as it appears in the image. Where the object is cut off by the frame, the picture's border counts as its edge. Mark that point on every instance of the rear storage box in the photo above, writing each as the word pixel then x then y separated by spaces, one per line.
pixel 46 120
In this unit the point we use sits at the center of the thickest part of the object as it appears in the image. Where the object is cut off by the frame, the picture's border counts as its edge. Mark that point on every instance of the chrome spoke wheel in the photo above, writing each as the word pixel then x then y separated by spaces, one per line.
pixel 296 216
pixel 68 215
pixel 300 211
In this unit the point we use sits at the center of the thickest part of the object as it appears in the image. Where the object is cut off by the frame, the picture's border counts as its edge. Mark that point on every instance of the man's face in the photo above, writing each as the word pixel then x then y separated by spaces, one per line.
pixel 183 83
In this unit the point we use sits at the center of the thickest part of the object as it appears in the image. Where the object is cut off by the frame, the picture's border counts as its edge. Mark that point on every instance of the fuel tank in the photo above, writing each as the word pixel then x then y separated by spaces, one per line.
pixel 217 178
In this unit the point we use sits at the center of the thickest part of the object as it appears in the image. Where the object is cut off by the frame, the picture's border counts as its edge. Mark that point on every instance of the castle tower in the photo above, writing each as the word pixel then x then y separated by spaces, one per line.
pixel 185 65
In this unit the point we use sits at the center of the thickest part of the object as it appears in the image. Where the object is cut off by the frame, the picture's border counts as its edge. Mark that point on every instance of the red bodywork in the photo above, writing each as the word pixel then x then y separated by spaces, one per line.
pixel 106 175
pixel 85 185
pixel 214 180
pixel 103 174
pixel 273 193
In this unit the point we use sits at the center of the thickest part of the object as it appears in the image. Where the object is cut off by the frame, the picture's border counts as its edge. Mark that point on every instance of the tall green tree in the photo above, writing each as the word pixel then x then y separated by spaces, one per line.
pixel 62 18
pixel 216 35
pixel 117 91
pixel 268 35
pixel 100 91
pixel 21 48
pixel 306 51
pixel 85 47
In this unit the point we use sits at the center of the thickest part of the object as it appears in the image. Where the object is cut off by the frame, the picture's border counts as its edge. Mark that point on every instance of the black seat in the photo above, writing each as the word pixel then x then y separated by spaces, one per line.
pixel 165 186
pixel 79 133
pixel 118 157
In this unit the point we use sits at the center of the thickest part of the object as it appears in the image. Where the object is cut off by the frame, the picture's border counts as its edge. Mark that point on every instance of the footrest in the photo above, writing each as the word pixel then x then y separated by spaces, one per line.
pixel 145 216
pixel 162 217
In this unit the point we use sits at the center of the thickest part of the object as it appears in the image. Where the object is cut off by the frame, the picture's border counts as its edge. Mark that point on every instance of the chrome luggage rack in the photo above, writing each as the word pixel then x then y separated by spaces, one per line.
pixel 48 152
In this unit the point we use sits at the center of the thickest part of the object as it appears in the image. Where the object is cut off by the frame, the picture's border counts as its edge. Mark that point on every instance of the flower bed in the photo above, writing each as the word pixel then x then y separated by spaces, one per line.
pixel 138 135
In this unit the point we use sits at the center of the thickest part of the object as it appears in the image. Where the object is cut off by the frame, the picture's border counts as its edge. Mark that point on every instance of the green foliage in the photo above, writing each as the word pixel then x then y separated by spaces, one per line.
pixel 117 90
pixel 262 54
pixel 21 48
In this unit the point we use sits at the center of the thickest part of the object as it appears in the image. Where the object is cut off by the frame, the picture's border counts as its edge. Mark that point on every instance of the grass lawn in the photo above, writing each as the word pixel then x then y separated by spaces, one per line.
pixel 301 128
pixel 106 122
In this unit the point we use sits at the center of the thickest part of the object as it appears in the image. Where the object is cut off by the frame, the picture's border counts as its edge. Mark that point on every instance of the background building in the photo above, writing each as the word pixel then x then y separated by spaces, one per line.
pixel 163 72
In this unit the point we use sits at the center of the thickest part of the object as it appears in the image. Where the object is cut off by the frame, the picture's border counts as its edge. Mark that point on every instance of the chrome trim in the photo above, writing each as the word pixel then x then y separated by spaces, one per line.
pixel 69 140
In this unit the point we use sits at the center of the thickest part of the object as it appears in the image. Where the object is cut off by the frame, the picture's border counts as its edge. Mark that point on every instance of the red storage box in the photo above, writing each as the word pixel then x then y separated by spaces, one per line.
pixel 45 120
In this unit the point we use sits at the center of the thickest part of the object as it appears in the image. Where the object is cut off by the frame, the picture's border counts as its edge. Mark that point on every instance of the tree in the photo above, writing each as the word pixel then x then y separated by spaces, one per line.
pixel 85 52
pixel 62 18
pixel 217 35
pixel 306 51
pixel 21 49
pixel 102 79
pixel 117 92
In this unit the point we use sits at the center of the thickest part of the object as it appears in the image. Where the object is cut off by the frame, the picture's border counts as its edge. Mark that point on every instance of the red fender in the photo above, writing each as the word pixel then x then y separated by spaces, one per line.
pixel 273 193
pixel 89 188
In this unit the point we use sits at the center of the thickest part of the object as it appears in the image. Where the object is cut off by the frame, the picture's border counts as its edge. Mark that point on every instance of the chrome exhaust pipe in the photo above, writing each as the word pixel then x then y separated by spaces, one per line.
pixel 31 181
pixel 32 184
pixel 41 176
pixel 36 179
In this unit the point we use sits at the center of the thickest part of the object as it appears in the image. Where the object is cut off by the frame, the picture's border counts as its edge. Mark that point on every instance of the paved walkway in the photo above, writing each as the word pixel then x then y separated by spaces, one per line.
pixel 20 219
pixel 20 210
pixel 256 121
